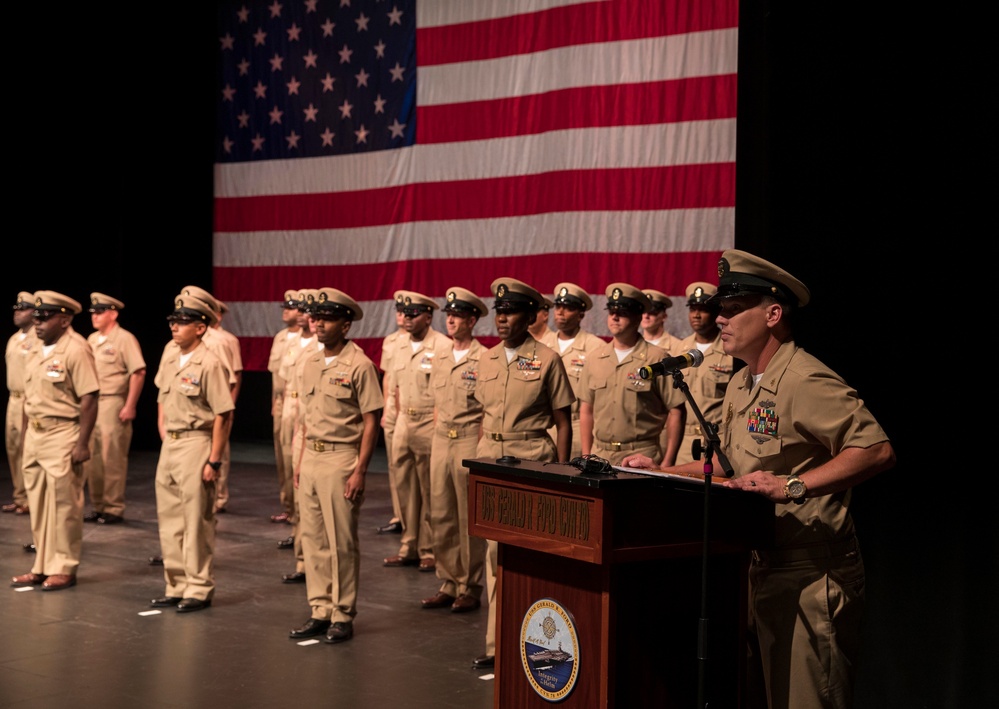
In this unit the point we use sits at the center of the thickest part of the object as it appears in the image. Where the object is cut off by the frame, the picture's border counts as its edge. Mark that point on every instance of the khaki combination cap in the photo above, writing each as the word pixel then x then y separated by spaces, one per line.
pixel 25 301
pixel 699 292
pixel 330 301
pixel 188 308
pixel 742 273
pixel 400 300
pixel 202 294
pixel 290 301
pixel 660 301
pixel 100 302
pixel 624 296
pixel 55 302
pixel 513 296
pixel 305 299
pixel 572 296
pixel 415 303
pixel 461 300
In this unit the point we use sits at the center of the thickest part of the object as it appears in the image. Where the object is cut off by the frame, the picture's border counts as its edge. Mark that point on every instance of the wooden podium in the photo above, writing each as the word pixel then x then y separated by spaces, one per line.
pixel 622 555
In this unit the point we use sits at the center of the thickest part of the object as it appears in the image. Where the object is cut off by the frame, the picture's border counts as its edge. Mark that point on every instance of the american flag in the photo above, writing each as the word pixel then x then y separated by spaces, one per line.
pixel 378 145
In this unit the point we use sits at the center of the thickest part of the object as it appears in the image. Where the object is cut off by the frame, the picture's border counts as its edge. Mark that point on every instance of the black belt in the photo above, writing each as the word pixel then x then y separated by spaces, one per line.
pixel 812 552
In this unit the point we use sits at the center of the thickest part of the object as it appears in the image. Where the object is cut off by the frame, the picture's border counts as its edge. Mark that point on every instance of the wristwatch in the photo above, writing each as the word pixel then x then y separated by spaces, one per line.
pixel 795 489
pixel 216 465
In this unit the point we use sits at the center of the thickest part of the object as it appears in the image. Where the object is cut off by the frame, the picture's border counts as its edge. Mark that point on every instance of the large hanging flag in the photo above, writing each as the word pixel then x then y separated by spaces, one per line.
pixel 384 145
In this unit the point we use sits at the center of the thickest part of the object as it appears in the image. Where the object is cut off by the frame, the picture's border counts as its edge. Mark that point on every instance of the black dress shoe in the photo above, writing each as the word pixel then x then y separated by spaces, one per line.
pixel 189 605
pixel 108 518
pixel 339 632
pixel 483 661
pixel 312 628
pixel 91 517
pixel 156 561
pixel 296 577
pixel 29 547
pixel 441 600
pixel 165 602
pixel 391 528
pixel 287 543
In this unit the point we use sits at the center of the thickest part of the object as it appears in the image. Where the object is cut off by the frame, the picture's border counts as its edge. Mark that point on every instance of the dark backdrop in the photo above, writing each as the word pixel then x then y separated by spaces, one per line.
pixel 848 176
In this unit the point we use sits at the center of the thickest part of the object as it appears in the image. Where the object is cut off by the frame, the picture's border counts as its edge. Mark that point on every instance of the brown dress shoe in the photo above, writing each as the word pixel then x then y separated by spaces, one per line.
pixel 465 603
pixel 428 564
pixel 400 561
pixel 21 510
pixel 441 600
pixel 283 517
pixel 27 580
pixel 57 582
pixel 10 507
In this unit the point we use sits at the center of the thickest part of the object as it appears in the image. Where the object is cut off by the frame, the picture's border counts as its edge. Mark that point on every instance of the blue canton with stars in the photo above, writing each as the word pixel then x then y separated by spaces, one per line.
pixel 310 78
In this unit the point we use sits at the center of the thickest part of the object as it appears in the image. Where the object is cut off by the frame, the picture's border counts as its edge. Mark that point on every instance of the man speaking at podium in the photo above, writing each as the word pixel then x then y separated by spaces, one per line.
pixel 797 434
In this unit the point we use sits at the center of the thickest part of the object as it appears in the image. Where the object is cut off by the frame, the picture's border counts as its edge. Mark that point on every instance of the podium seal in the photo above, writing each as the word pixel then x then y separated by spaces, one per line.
pixel 549 649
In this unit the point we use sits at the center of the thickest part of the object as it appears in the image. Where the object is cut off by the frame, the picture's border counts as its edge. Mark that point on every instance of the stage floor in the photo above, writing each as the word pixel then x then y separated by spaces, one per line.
pixel 92 645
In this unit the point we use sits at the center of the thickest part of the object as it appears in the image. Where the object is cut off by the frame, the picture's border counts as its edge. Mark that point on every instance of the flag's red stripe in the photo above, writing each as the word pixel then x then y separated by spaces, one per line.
pixel 680 187
pixel 572 25
pixel 701 98
pixel 377 281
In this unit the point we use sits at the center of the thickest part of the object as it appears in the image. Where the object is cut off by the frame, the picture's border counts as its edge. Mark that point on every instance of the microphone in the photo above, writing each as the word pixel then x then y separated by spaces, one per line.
pixel 692 358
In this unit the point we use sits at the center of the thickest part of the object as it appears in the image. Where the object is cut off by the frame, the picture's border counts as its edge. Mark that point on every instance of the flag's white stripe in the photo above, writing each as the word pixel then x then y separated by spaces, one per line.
pixel 688 143
pixel 682 56
pixel 437 13
pixel 637 232
pixel 263 319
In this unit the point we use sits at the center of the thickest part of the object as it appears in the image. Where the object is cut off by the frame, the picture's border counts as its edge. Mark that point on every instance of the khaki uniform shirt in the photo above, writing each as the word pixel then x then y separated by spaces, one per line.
pixel 801 415
pixel 411 370
pixel 520 396
pixel 215 344
pixel 574 358
pixel 232 347
pixel 453 385
pixel 279 346
pixel 15 356
pixel 670 343
pixel 338 393
pixel 389 345
pixel 55 382
pixel 626 407
pixel 118 357
pixel 193 394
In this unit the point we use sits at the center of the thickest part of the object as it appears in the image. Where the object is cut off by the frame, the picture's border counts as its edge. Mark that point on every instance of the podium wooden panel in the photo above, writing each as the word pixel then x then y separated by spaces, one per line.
pixel 623 555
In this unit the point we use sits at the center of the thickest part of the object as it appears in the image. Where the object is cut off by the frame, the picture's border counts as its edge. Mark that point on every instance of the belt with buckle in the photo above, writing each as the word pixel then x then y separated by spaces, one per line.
pixel 811 552
pixel 418 412
pixel 39 424
pixel 626 446
pixel 462 431
pixel 516 435
pixel 16 394
pixel 326 446
pixel 694 429
pixel 189 432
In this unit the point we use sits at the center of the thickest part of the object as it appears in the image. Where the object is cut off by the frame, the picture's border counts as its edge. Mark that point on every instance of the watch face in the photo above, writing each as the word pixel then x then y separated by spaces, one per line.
pixel 795 489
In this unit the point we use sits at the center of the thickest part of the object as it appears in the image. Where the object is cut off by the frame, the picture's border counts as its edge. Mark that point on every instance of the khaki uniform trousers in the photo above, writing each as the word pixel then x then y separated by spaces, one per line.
pixel 285 476
pixel 576 449
pixel 185 511
pixel 287 434
pixel 461 559
pixel 540 449
pixel 804 629
pixel 222 481
pixel 13 432
pixel 411 444
pixel 329 531
pixel 615 454
pixel 54 487
pixel 107 469
pixel 297 440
